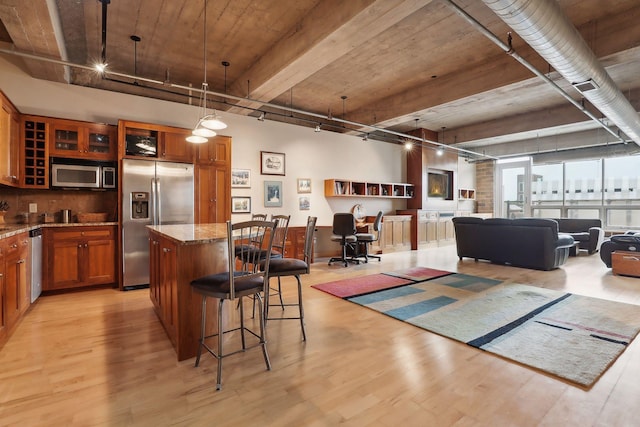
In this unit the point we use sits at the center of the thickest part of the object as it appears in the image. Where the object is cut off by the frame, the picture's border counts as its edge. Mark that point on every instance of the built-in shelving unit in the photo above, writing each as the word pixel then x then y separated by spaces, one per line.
pixel 36 157
pixel 349 188
pixel 466 194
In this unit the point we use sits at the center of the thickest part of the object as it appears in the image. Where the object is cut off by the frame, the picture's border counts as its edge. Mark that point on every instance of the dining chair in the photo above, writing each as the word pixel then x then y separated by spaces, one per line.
pixel 236 283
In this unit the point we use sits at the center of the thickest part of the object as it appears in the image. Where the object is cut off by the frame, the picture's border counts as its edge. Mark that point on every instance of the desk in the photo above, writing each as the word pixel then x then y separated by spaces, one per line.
pixel 179 254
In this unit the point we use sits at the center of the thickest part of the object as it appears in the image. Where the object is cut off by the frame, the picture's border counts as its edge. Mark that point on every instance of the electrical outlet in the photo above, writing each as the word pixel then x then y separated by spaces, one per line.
pixel 33 207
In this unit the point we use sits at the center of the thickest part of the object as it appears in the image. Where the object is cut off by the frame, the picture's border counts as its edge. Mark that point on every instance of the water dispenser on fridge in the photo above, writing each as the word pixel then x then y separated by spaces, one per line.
pixel 139 205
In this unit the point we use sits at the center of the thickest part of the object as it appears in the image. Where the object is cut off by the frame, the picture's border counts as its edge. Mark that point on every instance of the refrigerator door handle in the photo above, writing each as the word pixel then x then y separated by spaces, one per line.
pixel 154 192
pixel 159 193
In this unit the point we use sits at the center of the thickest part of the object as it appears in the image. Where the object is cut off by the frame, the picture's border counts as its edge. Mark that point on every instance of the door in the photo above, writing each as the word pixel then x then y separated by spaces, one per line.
pixel 513 188
pixel 174 183
pixel 137 213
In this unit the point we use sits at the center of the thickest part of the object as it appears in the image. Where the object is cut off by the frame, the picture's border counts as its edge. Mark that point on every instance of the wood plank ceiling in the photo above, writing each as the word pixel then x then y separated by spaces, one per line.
pixel 401 64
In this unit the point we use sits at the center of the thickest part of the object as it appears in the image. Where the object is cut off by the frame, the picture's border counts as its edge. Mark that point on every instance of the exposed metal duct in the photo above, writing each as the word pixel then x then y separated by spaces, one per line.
pixel 547 29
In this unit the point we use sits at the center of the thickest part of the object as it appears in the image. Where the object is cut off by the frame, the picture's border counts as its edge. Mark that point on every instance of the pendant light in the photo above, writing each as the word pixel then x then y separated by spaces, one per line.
pixel 206 124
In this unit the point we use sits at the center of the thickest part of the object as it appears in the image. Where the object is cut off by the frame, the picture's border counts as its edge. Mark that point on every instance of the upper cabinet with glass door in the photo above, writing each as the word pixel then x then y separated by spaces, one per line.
pixel 82 140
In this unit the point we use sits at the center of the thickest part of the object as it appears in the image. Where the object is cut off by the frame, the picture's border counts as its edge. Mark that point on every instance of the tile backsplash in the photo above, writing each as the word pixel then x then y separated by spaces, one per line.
pixel 51 202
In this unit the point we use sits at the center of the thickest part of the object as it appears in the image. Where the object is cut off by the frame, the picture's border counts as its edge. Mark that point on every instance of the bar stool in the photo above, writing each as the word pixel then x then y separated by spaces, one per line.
pixel 236 283
pixel 282 267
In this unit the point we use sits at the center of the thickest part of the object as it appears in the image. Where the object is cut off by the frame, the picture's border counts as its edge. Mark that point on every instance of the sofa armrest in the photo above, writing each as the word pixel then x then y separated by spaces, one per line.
pixel 596 237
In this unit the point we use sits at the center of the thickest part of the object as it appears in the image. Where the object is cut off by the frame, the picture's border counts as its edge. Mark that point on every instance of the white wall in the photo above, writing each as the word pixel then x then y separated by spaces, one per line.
pixel 309 154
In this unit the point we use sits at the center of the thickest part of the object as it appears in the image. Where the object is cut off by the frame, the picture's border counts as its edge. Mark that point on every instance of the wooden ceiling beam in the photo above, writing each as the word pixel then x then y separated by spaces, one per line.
pixel 331 30
pixel 31 29
pixel 499 76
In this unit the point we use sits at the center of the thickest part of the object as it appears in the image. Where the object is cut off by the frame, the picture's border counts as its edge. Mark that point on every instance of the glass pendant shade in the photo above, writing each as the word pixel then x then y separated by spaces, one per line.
pixel 203 131
pixel 212 121
pixel 195 139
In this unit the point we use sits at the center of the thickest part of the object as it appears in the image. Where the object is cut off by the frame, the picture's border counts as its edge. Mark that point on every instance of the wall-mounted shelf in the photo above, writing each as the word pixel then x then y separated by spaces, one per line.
pixel 348 188
pixel 466 194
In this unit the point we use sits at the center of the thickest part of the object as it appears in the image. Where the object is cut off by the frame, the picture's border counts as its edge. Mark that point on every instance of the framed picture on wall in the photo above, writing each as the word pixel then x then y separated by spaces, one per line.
pixel 240 178
pixel 304 202
pixel 241 204
pixel 272 194
pixel 304 185
pixel 271 163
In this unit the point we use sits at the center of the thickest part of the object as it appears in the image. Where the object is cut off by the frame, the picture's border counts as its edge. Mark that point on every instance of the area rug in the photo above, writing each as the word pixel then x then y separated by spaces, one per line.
pixel 418 274
pixel 362 285
pixel 571 336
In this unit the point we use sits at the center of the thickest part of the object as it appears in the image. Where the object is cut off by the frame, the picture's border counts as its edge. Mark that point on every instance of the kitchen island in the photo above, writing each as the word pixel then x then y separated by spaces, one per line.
pixel 178 254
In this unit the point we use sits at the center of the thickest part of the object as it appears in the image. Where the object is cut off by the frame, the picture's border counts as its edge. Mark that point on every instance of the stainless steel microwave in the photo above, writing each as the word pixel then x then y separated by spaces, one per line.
pixel 90 175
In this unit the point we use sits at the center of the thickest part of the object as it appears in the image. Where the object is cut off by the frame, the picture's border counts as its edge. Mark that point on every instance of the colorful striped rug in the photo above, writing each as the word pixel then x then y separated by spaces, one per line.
pixel 362 285
pixel 571 336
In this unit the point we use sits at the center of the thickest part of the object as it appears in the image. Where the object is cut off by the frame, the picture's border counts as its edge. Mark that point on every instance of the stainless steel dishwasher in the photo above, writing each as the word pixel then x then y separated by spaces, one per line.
pixel 35 265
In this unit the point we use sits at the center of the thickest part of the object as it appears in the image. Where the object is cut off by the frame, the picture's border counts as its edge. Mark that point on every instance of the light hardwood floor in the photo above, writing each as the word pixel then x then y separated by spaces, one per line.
pixel 101 358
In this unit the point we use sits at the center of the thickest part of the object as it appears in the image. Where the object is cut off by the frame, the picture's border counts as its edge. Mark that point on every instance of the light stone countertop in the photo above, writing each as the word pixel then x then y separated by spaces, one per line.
pixel 8 230
pixel 192 234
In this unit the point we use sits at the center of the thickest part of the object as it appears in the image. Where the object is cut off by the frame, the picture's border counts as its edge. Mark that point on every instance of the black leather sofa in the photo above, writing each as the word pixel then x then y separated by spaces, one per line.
pixel 630 242
pixel 525 242
pixel 588 232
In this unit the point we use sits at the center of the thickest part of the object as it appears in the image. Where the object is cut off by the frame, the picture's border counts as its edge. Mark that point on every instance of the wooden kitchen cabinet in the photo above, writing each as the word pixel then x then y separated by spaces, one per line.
pixel 213 180
pixel 294 246
pixel 79 256
pixel 164 142
pixel 396 233
pixel 430 228
pixel 16 293
pixel 3 325
pixel 216 151
pixel 163 283
pixel 9 143
pixel 74 139
pixel 173 146
pixel 212 194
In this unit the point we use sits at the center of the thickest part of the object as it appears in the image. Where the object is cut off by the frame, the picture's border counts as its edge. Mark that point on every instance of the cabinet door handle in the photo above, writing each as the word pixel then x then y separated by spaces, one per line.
pixel 1 275
pixel 86 245
pixel 21 261
pixel 166 250
pixel 14 246
pixel 80 245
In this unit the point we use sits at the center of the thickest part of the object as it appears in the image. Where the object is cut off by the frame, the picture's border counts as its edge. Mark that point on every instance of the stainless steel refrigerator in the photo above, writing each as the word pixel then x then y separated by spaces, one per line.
pixel 153 193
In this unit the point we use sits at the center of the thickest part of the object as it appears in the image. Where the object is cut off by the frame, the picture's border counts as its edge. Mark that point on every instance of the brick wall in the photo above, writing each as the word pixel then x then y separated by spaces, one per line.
pixel 484 186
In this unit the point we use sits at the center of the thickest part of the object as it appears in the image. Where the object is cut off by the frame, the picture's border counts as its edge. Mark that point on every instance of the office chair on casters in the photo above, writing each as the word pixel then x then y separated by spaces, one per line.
pixel 283 267
pixel 236 282
pixel 344 232
pixel 367 238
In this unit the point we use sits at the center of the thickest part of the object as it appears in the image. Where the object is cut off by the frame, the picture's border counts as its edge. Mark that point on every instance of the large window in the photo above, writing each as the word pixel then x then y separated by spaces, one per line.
pixel 583 182
pixel 547 184
pixel 608 189
pixel 622 179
